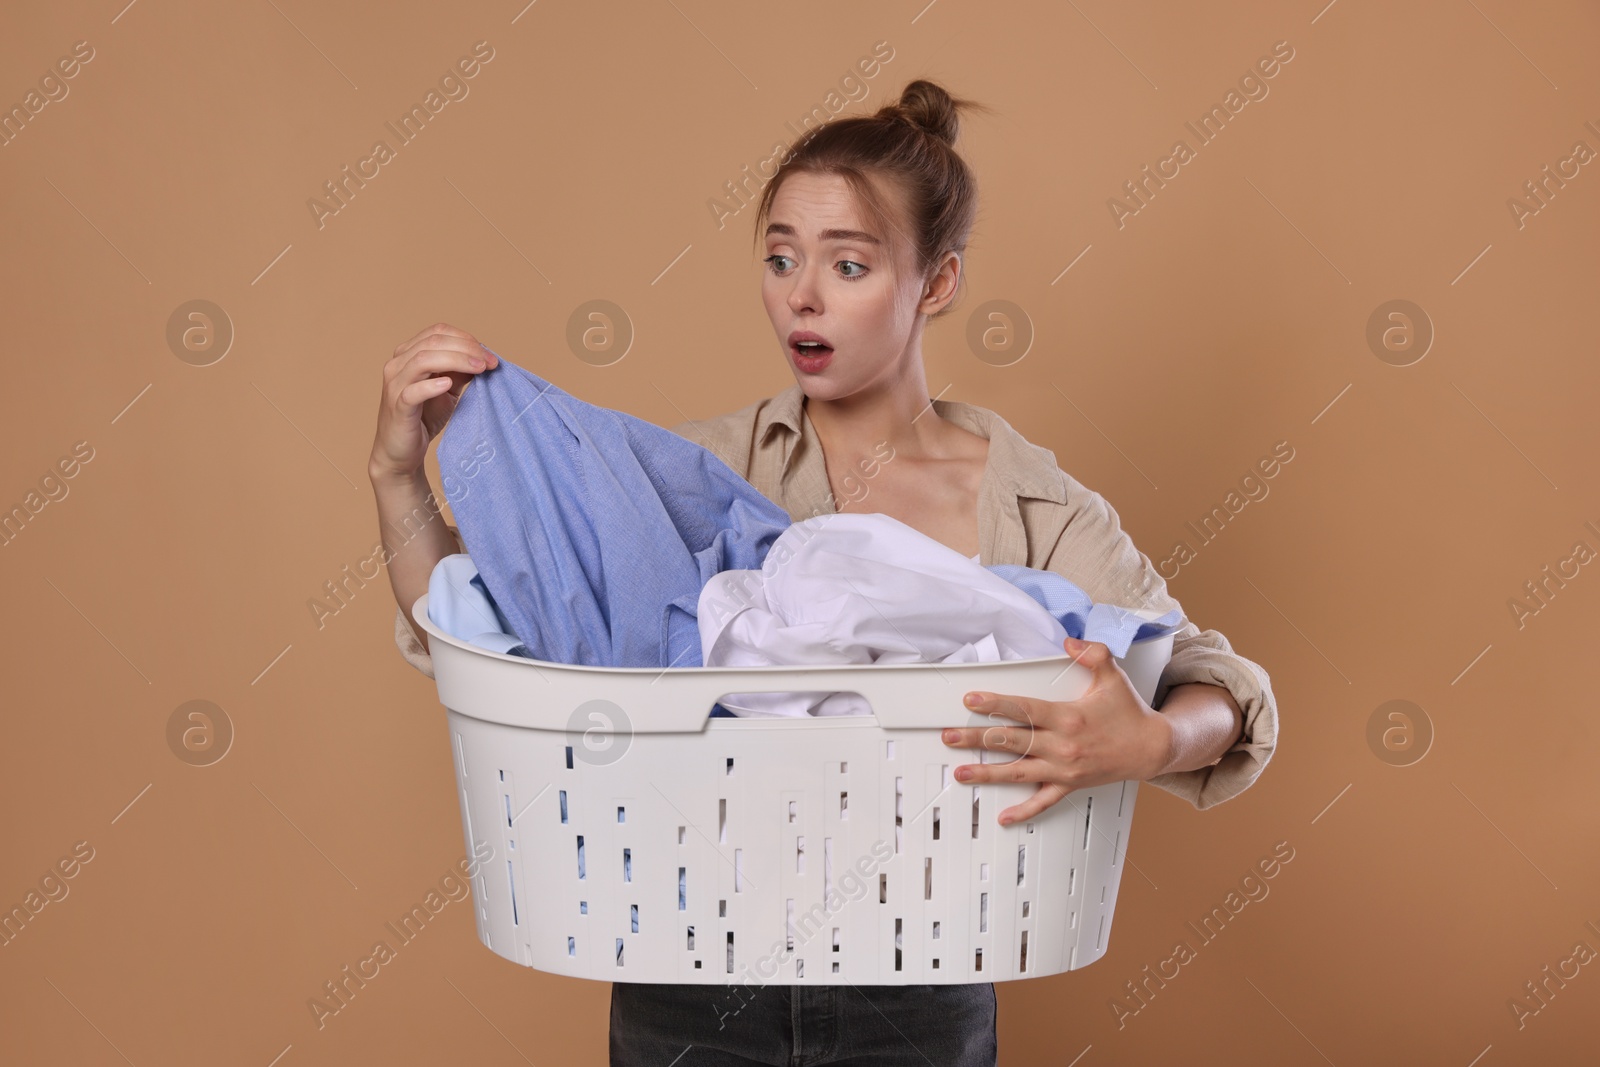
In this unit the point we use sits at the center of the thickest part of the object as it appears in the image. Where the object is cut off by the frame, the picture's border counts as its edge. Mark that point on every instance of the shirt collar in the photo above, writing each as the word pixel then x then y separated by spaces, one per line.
pixel 1025 468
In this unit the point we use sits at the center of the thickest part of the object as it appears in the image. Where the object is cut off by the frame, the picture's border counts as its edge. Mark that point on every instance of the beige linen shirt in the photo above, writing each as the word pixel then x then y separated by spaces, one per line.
pixel 1030 512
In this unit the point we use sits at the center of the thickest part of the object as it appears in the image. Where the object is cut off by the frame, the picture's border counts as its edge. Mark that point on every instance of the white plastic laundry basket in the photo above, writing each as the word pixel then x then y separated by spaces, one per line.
pixel 624 834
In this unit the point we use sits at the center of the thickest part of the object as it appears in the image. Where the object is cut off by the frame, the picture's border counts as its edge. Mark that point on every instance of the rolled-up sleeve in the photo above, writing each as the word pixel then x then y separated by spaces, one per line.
pixel 1097 554
pixel 1206 656
pixel 405 638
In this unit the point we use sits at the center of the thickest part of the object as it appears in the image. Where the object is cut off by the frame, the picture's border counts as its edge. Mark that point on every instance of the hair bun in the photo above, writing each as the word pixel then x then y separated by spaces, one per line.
pixel 928 107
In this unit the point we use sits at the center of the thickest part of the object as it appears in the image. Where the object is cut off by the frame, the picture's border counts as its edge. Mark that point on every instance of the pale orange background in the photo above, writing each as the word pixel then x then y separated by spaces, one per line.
pixel 1226 316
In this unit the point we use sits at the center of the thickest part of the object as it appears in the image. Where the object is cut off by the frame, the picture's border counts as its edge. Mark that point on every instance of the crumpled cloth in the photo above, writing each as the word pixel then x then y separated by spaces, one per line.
pixel 593 531
pixel 460 605
pixel 867 588
pixel 597 538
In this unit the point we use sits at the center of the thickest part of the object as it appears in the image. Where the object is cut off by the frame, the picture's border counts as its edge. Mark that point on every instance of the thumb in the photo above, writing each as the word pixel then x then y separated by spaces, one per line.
pixel 1091 654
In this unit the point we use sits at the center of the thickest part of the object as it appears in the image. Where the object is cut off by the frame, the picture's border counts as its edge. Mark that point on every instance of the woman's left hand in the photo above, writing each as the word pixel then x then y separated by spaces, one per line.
pixel 1109 734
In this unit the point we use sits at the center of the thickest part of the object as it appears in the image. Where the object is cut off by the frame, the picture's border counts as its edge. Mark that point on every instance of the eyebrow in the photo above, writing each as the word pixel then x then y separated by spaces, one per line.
pixel 826 235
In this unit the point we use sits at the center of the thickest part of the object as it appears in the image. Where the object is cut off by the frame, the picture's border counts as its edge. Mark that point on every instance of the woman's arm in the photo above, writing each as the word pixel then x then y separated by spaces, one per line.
pixel 1094 551
pixel 1205 722
pixel 421 383
pixel 408 508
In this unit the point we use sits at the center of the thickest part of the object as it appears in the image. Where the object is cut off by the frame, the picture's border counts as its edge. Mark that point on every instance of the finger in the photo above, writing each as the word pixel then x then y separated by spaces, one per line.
pixel 441 329
pixel 1021 709
pixel 425 361
pixel 416 394
pixel 1021 769
pixel 1001 736
pixel 405 358
pixel 1047 795
pixel 467 347
pixel 1091 654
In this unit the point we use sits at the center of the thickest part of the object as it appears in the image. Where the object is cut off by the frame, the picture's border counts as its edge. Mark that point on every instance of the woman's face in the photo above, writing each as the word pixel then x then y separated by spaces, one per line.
pixel 826 277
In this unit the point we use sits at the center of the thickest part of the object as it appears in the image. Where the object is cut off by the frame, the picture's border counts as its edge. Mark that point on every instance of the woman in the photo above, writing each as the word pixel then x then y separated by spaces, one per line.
pixel 864 227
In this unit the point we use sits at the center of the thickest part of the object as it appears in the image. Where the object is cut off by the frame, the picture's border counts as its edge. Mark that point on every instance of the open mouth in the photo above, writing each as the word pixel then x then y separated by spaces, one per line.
pixel 811 349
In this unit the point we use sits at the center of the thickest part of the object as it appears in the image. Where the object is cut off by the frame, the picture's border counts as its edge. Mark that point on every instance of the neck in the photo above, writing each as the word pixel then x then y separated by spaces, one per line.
pixel 895 409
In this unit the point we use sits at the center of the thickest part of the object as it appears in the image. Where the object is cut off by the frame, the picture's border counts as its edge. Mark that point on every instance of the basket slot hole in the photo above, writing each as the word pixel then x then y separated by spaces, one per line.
pixel 977 960
pixel 827 863
pixel 572 946
pixel 738 870
pixel 691 939
pixel 502 773
pixel 844 804
pixel 569 757
pixel 974 814
pixel 927 878
pixel 898 793
pixel 936 822
pixel 583 907
pixel 722 820
pixel 1088 811
pixel 799 968
pixel 1072 921
pixel 580 856
pixel 680 834
pixel 697 965
pixel 633 916
pixel 836 939
pixel 1022 862
pixel 1030 827
pixel 730 766
pixel 511 880
pixel 936 963
pixel 730 951
pixel 1072 878
pixel 794 809
pixel 888 748
pixel 683 899
pixel 983 913
pixel 563 805
pixel 835 966
pixel 788 937
pixel 983 872
pixel 627 865
pixel 722 909
pixel 619 952
pixel 944 776
pixel 1025 909
pixel 621 814
pixel 1023 965
pixel 883 888
pixel 897 944
pixel 844 767
pixel 507 798
pixel 936 929
pixel 800 855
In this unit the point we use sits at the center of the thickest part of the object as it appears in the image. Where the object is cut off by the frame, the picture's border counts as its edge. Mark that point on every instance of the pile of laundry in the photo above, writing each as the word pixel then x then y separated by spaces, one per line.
pixel 597 538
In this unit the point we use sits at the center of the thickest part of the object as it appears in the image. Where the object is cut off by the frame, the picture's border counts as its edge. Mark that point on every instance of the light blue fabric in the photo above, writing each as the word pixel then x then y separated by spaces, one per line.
pixel 1118 628
pixel 460 605
pixel 593 531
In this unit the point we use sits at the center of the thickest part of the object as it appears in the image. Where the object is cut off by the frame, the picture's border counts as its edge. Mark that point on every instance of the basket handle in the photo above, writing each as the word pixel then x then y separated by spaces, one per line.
pixel 522 691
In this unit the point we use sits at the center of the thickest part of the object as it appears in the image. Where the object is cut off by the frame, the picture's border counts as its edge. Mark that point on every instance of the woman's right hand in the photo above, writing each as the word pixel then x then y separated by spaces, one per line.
pixel 421 383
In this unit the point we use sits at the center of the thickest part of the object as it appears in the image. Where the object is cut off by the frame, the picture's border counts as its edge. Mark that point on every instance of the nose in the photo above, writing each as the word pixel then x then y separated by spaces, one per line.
pixel 805 295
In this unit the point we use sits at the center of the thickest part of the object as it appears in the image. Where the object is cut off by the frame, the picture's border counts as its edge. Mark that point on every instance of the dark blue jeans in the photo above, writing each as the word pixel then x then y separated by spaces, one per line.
pixel 801 1026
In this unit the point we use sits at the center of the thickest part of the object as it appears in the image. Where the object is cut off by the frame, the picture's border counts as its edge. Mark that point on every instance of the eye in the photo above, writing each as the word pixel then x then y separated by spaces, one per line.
pixel 775 267
pixel 852 263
